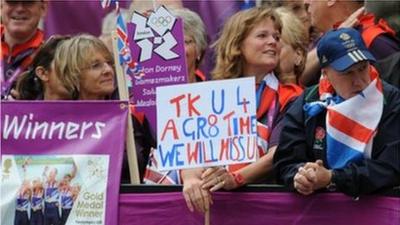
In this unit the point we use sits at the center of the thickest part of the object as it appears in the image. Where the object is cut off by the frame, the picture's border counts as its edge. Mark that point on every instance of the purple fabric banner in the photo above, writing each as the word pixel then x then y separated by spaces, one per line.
pixel 214 14
pixel 73 17
pixel 261 208
pixel 58 163
pixel 157 44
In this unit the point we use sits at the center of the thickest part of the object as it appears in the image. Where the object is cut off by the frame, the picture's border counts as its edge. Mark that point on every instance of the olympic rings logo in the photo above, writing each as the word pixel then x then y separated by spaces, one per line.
pixel 161 21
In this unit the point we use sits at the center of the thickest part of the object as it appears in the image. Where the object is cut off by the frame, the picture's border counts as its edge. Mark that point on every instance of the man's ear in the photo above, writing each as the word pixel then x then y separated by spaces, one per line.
pixel 42 73
pixel 330 3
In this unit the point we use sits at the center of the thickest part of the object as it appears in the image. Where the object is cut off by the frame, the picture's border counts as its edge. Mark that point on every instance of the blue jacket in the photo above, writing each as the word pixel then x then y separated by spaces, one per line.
pixel 302 140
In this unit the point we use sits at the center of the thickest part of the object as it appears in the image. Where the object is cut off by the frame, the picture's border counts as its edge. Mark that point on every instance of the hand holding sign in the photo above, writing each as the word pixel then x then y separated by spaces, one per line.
pixel 196 197
pixel 216 178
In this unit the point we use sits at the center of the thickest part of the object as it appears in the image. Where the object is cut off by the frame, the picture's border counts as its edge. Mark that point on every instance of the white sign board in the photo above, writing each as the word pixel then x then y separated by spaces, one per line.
pixel 206 124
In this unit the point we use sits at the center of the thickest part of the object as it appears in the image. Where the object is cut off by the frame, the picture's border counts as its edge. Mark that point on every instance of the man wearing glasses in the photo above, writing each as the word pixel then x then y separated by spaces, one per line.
pixel 20 38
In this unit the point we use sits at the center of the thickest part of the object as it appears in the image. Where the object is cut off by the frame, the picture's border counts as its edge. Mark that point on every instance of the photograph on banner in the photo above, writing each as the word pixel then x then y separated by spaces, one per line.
pixel 45 189
pixel 157 46
pixel 61 161
pixel 206 124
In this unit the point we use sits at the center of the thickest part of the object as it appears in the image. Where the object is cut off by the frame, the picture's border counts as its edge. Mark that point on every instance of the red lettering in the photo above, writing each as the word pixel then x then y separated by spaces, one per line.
pixel 244 124
pixel 177 100
pixel 191 107
pixel 224 149
pixel 228 117
pixel 170 126
pixel 192 154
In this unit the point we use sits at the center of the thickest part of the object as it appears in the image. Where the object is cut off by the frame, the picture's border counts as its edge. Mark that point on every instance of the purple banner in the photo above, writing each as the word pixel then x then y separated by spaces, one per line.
pixel 83 17
pixel 157 44
pixel 214 14
pixel 61 161
pixel 261 208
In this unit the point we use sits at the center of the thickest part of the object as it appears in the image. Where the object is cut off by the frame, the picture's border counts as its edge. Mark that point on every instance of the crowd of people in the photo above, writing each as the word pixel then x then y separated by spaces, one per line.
pixel 327 118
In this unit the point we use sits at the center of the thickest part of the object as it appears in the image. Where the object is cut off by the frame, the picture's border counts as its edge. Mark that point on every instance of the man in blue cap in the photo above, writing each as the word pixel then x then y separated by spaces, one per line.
pixel 343 134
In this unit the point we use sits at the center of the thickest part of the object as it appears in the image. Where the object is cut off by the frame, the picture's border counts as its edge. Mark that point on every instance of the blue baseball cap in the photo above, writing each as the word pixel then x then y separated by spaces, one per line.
pixel 342 48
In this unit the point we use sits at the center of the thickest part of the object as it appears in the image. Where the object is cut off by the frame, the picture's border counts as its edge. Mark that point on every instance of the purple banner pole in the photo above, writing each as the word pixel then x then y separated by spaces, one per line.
pixel 261 208
pixel 67 155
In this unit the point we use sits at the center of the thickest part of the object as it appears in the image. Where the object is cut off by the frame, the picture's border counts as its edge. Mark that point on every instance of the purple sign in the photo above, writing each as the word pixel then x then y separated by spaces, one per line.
pixel 157 44
pixel 57 161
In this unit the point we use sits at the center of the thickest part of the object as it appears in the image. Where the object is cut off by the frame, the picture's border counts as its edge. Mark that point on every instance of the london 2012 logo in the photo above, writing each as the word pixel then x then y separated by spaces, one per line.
pixel 161 21
pixel 154 34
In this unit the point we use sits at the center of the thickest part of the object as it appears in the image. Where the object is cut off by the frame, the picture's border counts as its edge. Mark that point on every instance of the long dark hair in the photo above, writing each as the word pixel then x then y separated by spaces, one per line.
pixel 29 85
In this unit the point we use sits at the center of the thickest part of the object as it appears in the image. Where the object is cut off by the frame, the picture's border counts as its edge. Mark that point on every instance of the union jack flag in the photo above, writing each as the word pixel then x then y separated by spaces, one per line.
pixel 154 176
pixel 132 68
pixel 350 132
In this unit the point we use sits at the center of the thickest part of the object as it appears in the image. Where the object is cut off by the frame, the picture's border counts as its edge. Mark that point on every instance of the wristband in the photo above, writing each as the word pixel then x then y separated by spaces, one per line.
pixel 239 179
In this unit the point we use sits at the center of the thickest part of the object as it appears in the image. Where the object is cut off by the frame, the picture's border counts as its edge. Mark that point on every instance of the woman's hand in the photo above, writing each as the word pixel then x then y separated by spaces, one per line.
pixel 13 95
pixel 216 178
pixel 196 197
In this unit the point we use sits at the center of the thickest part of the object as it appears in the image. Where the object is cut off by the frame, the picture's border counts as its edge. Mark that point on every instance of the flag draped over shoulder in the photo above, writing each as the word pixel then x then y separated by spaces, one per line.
pixel 267 98
pixel 351 124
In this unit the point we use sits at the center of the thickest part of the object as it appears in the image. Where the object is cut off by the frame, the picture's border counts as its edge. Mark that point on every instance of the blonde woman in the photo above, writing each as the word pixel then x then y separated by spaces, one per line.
pixel 249 46
pixel 85 61
pixel 294 47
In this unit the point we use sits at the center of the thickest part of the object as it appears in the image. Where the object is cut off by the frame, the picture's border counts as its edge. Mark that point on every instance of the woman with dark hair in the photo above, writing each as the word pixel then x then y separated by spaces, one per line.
pixel 41 81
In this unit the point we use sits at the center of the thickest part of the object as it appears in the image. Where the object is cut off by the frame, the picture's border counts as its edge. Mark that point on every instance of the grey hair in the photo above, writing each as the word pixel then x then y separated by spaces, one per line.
pixel 193 26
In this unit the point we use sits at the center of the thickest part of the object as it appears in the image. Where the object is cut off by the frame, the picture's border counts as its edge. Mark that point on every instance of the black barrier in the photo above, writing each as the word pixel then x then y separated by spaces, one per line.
pixel 127 188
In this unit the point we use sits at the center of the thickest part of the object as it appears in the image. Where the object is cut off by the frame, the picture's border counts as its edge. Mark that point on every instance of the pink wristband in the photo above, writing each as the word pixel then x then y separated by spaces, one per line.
pixel 239 179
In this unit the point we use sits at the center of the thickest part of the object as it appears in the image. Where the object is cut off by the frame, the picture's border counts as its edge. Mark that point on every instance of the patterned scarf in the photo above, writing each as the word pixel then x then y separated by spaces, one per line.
pixel 267 99
pixel 351 124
